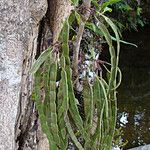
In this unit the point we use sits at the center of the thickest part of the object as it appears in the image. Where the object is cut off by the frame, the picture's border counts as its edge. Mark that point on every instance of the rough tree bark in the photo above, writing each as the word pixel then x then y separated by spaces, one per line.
pixel 19 21
pixel 21 28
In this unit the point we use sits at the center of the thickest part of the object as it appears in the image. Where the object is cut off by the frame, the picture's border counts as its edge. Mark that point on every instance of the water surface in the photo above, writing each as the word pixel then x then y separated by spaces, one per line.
pixel 134 92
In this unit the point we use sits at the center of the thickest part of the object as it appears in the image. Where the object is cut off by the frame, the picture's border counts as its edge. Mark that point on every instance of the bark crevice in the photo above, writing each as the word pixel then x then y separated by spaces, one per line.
pixel 45 30
pixel 27 121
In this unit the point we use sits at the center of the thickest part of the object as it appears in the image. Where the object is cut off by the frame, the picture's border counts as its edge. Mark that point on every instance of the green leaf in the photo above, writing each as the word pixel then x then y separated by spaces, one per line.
pixel 73 108
pixel 78 17
pixel 88 103
pixel 115 30
pixel 63 96
pixel 72 135
pixel 139 11
pixel 93 28
pixel 52 101
pixel 96 4
pixel 96 30
pixel 106 33
pixel 44 55
pixel 107 9
pixel 72 18
pixel 40 108
pixel 110 2
pixel 124 42
pixel 75 2
pixel 98 96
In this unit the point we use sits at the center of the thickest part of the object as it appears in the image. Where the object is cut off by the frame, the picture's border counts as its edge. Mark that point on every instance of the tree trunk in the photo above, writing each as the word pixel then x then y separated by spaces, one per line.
pixel 19 23
pixel 21 30
pixel 26 29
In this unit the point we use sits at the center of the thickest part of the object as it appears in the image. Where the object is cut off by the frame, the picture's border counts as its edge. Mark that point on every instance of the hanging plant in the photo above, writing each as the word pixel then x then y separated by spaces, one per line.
pixel 61 72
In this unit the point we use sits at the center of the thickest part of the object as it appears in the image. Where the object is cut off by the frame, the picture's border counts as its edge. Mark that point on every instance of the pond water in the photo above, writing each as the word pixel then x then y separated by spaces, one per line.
pixel 134 92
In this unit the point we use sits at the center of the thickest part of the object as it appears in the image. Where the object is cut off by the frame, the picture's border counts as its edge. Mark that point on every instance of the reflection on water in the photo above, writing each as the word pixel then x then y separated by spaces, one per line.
pixel 134 92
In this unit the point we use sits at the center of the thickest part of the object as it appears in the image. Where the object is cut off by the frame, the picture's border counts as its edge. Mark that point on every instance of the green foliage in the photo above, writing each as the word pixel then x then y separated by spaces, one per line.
pixel 97 31
pixel 118 138
pixel 55 98
pixel 127 15
pixel 107 3
pixel 41 60
pixel 75 2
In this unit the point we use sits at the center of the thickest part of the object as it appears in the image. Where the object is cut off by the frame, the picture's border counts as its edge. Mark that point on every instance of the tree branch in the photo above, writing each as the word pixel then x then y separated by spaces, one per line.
pixel 86 6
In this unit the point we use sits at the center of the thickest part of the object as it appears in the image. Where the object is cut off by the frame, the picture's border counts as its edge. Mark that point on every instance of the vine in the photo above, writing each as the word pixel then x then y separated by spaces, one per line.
pixel 65 70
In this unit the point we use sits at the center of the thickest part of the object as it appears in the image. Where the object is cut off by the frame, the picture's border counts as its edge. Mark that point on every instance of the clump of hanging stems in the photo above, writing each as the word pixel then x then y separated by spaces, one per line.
pixel 58 77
